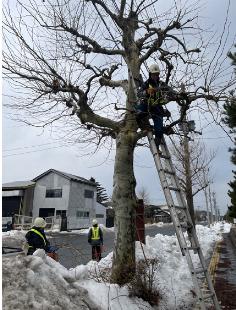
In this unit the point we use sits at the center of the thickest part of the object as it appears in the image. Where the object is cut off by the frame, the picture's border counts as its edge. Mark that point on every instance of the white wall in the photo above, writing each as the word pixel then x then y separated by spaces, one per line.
pixel 100 211
pixel 51 181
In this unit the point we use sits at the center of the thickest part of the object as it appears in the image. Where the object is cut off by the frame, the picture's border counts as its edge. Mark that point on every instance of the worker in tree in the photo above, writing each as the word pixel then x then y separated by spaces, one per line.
pixel 36 238
pixel 153 94
pixel 95 238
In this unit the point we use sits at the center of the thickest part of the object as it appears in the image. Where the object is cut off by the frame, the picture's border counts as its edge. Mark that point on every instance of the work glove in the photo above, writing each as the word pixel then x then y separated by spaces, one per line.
pixel 168 130
pixel 151 91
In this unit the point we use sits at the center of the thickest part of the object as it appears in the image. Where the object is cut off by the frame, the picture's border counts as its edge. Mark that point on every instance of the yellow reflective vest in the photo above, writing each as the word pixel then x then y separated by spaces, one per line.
pixel 157 99
pixel 95 233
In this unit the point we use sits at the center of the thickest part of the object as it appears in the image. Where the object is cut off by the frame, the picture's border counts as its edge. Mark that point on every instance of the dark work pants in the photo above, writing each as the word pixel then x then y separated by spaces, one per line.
pixel 96 252
pixel 156 113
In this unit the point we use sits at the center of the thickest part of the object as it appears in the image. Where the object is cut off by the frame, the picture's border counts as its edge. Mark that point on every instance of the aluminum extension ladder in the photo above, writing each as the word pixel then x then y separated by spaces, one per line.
pixel 182 221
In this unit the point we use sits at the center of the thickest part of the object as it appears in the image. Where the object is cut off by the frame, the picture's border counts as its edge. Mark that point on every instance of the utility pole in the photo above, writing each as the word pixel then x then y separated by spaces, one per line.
pixel 207 207
pixel 206 197
pixel 186 127
pixel 187 169
pixel 215 206
pixel 211 206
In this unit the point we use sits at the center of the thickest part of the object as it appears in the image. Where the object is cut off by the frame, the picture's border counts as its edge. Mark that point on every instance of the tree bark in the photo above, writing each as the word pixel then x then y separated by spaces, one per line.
pixel 124 201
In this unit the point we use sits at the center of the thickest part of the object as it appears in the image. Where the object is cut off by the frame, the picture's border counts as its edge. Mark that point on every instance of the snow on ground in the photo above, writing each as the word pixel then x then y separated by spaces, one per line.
pixel 38 282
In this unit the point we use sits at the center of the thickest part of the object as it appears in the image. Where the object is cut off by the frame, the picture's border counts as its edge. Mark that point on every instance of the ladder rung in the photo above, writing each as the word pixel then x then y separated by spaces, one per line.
pixel 180 207
pixel 201 277
pixel 194 248
pixel 208 296
pixel 171 188
pixel 164 156
pixel 197 271
pixel 168 171
pixel 186 225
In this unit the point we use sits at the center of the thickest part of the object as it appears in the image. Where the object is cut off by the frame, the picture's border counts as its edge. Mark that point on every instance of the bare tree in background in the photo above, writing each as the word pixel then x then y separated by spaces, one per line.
pixel 144 195
pixel 192 172
pixel 72 65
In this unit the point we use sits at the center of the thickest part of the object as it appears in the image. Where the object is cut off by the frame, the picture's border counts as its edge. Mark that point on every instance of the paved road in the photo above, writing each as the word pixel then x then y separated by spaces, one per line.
pixel 75 250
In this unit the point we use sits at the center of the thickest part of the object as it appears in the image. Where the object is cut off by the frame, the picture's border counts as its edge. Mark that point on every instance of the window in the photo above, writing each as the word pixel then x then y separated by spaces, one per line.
pixel 99 215
pixel 83 214
pixel 88 193
pixel 62 213
pixel 53 193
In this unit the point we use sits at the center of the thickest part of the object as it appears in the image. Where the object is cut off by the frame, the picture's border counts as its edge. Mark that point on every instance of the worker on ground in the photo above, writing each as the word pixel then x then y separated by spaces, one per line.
pixel 36 238
pixel 153 94
pixel 95 238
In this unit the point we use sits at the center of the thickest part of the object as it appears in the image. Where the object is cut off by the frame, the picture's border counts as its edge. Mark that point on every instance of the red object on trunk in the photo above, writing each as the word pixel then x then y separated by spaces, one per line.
pixel 140 225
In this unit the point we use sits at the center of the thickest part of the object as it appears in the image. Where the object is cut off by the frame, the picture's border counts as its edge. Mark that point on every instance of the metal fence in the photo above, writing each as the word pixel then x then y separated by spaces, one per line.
pixel 23 222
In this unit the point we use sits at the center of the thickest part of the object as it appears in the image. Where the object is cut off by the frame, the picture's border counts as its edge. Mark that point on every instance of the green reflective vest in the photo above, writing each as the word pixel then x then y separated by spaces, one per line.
pixel 95 233
pixel 157 98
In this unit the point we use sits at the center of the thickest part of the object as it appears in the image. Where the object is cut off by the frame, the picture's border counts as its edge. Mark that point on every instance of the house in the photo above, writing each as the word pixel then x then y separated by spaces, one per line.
pixel 17 198
pixel 101 213
pixel 54 193
pixel 60 193
pixel 154 213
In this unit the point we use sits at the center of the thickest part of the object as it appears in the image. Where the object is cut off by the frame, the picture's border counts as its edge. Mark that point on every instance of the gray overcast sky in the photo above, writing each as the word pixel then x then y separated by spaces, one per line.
pixel 27 151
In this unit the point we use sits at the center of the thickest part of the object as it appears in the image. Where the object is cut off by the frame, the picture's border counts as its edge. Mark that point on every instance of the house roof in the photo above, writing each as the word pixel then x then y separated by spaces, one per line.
pixel 65 175
pixel 17 185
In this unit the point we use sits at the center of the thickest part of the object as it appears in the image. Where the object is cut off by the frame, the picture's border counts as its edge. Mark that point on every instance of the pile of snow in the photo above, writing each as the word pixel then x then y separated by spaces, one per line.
pixel 159 224
pixel 13 238
pixel 38 282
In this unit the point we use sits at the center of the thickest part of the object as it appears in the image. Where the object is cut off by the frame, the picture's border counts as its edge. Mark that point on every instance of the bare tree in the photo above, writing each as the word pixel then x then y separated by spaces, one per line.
pixel 144 195
pixel 192 162
pixel 74 64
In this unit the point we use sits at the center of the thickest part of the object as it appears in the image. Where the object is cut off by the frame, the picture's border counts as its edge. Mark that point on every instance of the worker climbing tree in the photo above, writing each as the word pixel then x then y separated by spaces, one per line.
pixel 78 64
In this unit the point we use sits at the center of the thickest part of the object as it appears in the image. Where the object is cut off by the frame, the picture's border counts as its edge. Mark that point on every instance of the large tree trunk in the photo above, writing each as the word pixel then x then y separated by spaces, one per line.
pixel 124 202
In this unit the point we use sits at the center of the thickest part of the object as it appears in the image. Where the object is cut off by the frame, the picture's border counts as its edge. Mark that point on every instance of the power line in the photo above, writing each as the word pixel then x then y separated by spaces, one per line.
pixel 50 148
pixel 27 147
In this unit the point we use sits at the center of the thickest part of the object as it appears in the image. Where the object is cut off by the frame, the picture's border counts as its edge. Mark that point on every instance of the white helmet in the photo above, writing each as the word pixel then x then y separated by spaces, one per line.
pixel 95 222
pixel 154 68
pixel 39 222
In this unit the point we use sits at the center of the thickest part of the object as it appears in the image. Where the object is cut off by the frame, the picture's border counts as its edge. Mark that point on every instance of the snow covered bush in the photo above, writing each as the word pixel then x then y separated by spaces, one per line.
pixel 143 284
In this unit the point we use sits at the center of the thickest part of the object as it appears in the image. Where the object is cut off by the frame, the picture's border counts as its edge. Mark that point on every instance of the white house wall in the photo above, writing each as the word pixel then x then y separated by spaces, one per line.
pixel 78 203
pixel 100 214
pixel 51 181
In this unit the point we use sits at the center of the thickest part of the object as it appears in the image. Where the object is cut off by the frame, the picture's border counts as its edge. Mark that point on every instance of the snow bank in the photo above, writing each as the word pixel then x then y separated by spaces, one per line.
pixel 38 282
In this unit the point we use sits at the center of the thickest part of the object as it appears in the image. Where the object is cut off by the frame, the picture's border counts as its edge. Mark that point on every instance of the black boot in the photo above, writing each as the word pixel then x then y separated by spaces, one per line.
pixel 143 122
pixel 158 142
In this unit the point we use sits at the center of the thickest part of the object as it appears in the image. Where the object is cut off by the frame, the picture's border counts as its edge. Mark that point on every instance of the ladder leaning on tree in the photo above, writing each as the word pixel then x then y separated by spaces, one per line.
pixel 182 221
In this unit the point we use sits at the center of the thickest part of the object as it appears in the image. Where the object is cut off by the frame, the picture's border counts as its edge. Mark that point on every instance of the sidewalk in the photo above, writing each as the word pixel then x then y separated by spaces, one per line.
pixel 224 277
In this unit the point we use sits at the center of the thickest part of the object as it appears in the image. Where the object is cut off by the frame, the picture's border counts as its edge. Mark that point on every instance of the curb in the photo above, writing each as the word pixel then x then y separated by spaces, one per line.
pixel 214 260
pixel 211 268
